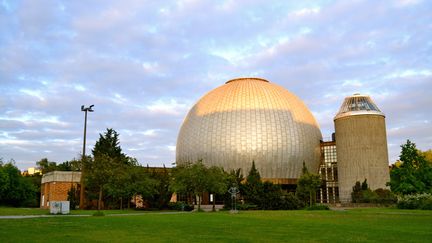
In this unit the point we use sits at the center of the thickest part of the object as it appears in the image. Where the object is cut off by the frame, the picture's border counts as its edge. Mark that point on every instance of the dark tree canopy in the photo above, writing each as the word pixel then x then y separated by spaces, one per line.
pixel 109 145
pixel 15 189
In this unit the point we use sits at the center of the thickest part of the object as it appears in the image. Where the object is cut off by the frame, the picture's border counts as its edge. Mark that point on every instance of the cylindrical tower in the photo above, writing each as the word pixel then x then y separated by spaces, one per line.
pixel 361 144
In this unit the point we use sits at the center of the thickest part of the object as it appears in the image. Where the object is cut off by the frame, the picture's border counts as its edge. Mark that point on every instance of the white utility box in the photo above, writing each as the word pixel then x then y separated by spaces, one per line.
pixel 59 207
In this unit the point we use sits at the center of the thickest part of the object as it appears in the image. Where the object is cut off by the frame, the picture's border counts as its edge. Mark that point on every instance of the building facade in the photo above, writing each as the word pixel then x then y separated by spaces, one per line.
pixel 251 119
pixel 329 192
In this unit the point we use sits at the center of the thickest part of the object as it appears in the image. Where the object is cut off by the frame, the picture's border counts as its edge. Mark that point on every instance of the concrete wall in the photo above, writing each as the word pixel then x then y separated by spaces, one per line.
pixel 362 153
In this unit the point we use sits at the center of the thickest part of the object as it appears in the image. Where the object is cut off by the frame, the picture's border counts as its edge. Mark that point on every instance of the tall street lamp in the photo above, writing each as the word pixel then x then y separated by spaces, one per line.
pixel 85 109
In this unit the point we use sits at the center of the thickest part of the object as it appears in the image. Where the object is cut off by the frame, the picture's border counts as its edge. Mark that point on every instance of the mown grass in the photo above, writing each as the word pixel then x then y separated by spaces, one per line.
pixel 5 211
pixel 357 225
pixel 22 211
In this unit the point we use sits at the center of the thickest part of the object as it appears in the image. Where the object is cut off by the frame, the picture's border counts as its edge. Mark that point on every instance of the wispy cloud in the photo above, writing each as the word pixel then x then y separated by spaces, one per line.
pixel 143 65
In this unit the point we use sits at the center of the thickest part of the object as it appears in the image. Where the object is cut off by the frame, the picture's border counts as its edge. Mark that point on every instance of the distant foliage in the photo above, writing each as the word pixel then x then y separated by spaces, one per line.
pixel 415 201
pixel 45 166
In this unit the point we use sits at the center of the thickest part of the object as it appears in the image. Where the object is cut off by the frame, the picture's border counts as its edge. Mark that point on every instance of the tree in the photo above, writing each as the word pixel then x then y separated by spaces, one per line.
pixel 414 175
pixel 15 190
pixel 307 185
pixel 217 182
pixel 162 193
pixel 427 155
pixel 253 188
pixel 108 161
pixel 191 179
pixel 195 179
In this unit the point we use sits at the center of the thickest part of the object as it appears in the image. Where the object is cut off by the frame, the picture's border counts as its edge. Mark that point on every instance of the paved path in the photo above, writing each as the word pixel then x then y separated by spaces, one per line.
pixel 80 215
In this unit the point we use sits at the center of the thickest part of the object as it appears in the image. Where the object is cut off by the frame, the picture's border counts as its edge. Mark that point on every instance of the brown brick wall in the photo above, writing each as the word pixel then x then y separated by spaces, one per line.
pixel 54 191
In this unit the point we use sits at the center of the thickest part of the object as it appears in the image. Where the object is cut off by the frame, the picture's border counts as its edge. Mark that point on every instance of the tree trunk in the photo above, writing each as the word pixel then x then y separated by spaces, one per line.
pixel 214 202
pixel 121 203
pixel 100 198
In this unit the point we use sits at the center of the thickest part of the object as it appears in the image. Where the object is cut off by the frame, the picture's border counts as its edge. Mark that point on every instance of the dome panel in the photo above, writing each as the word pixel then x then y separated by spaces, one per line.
pixel 251 119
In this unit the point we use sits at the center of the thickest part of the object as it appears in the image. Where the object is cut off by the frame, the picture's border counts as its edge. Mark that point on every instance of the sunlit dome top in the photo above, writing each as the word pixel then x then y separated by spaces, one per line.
pixel 251 119
pixel 358 104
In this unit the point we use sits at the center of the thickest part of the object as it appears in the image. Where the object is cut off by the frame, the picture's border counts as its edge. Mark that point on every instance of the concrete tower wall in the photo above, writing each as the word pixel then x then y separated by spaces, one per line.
pixel 362 152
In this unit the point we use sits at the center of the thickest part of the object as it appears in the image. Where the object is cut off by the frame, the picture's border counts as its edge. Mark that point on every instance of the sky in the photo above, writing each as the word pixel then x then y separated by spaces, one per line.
pixel 144 64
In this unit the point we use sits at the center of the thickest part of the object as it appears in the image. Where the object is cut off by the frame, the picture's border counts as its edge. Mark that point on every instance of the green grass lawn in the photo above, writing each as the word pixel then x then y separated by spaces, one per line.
pixel 5 211
pixel 357 225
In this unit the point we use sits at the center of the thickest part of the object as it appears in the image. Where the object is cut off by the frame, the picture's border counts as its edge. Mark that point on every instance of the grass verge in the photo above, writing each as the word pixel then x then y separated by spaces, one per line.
pixel 357 225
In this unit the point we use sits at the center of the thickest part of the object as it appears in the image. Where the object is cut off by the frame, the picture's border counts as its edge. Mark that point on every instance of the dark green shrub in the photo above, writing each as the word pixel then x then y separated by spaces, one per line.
pixel 415 201
pixel 180 206
pixel 318 207
pixel 247 206
pixel 385 196
pixel 368 196
pixel 290 201
pixel 427 204
pixel 356 194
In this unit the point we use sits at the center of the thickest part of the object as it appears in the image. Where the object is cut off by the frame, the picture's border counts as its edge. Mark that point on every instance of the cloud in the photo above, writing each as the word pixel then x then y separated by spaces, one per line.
pixel 144 64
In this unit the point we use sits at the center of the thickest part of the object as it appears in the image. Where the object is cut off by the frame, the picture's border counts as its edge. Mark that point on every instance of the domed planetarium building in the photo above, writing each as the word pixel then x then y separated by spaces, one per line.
pixel 251 119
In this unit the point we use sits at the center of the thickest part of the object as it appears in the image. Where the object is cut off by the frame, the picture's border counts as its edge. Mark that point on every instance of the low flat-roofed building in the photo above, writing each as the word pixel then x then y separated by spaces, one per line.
pixel 56 184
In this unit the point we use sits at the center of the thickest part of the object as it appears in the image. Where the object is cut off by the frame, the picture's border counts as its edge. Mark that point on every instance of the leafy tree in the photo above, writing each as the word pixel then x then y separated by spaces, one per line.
pixel 217 182
pixel 427 155
pixel 99 173
pixel 191 179
pixel 15 190
pixel 414 175
pixel 162 193
pixel 195 179
pixel 307 185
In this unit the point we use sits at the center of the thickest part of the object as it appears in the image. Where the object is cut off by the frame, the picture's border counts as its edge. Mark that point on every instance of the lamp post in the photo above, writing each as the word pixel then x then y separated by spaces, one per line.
pixel 85 109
